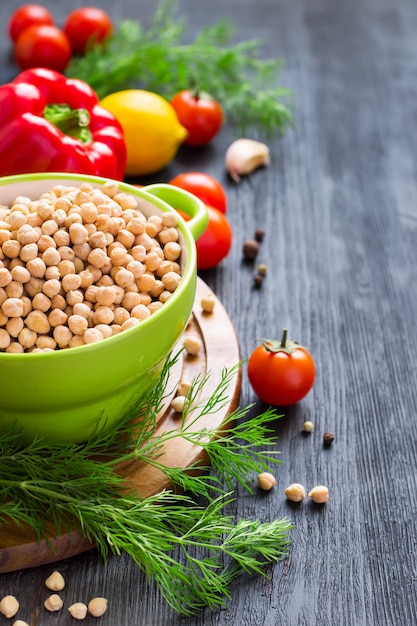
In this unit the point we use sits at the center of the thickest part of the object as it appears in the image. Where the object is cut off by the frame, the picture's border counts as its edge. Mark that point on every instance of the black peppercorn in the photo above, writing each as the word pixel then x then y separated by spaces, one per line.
pixel 328 438
pixel 258 279
pixel 259 234
pixel 250 249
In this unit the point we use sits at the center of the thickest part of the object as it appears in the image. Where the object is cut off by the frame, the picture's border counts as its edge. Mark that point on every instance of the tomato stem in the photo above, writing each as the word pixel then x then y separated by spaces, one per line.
pixel 284 338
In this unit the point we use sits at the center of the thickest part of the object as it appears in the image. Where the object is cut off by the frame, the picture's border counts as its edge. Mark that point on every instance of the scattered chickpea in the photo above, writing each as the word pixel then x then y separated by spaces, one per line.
pixel 192 344
pixel 266 481
pixel 207 303
pixel 20 622
pixel 9 606
pixel 319 494
pixel 97 607
pixel 78 610
pixel 308 427
pixel 53 603
pixel 183 388
pixel 55 582
pixel 295 492
pixel 178 403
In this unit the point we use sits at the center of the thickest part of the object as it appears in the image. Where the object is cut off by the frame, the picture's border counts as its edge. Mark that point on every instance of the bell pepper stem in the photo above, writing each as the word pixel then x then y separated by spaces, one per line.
pixel 73 122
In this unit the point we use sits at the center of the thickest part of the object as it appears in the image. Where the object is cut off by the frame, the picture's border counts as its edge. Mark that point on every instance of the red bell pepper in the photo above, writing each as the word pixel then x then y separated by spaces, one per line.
pixel 51 123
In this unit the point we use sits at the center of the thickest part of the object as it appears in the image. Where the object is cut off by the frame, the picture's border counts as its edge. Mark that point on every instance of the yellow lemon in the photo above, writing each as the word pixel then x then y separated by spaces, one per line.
pixel 151 128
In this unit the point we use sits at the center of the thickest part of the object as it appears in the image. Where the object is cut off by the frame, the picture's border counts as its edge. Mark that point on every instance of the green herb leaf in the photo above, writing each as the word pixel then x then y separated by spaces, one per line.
pixel 157 59
pixel 193 552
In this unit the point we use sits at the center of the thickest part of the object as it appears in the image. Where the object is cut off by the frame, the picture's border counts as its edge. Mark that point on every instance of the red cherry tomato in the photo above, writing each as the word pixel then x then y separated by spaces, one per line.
pixel 281 373
pixel 200 114
pixel 43 46
pixel 86 26
pixel 26 16
pixel 215 243
pixel 205 187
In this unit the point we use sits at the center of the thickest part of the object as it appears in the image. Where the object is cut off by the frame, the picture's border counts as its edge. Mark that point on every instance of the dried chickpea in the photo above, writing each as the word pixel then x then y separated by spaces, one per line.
pixel 11 248
pixel 66 267
pixel 169 219
pixel 77 324
pixel 74 296
pixel 167 235
pixel 106 295
pixel 178 403
pixel 12 307
pixel 45 342
pixel 141 312
pixel 171 280
pixel 34 286
pixel 103 315
pixel 152 261
pixel 4 338
pixel 62 335
pixel 14 348
pixel 9 606
pixel 71 282
pixel 266 481
pixel 28 252
pixel 51 287
pixel 97 607
pixel 75 341
pixel 165 295
pixel 53 603
pixel 319 494
pixel 172 251
pixel 52 272
pixel 92 335
pixel 81 308
pixel 207 303
pixel 5 277
pixel 51 256
pixel 13 326
pixel 154 306
pixel 295 492
pixel 61 236
pixel 14 289
pixel 78 610
pixel 146 282
pixel 38 322
pixel 45 242
pixel 41 302
pixel 192 344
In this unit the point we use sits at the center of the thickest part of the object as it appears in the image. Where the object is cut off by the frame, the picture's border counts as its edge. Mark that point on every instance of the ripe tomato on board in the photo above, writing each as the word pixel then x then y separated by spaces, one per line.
pixel 43 45
pixel 281 372
pixel 85 26
pixel 205 187
pixel 200 114
pixel 26 16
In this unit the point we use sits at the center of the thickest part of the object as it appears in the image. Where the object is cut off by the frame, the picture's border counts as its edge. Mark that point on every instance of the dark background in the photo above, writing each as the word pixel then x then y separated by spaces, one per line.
pixel 339 206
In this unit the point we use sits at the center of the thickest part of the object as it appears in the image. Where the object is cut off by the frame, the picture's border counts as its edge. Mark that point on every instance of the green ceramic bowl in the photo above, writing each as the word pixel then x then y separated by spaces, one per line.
pixel 63 394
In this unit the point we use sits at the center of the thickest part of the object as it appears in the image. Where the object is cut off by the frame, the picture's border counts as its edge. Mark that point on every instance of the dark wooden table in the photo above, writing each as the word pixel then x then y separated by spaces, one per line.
pixel 339 206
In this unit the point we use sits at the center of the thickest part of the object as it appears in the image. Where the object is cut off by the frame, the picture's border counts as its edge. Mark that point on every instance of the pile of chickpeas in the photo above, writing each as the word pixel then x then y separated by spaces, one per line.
pixel 80 264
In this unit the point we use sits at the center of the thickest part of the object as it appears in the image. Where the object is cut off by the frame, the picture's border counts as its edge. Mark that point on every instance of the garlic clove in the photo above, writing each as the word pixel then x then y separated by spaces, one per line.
pixel 244 156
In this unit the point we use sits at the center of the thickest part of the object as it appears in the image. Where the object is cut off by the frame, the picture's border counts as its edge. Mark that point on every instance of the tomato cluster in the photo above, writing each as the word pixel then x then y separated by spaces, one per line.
pixel 39 42
pixel 215 243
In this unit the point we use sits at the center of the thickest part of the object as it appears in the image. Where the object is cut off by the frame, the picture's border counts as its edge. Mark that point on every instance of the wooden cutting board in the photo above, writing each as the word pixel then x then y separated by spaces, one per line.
pixel 19 548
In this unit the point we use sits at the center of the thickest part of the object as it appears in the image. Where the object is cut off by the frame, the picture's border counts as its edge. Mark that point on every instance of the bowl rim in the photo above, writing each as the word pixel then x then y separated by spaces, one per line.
pixel 189 272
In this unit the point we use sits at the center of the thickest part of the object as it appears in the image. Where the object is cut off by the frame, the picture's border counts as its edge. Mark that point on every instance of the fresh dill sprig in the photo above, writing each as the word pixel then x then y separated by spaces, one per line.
pixel 157 59
pixel 192 552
